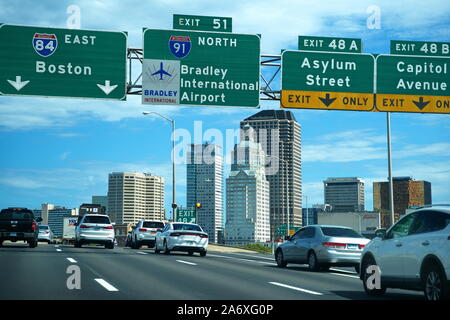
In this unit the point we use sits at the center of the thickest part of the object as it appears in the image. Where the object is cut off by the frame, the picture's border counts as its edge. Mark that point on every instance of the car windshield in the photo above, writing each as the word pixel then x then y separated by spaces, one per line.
pixel 153 224
pixel 16 214
pixel 97 219
pixel 189 227
pixel 340 232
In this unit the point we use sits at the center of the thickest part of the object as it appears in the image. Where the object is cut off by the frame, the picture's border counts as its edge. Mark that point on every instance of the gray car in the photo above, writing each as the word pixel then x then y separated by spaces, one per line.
pixel 321 246
pixel 45 234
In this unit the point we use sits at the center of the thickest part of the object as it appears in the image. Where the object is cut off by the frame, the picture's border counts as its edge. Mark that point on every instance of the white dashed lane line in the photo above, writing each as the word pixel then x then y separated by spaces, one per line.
pixel 240 259
pixel 140 252
pixel 344 275
pixel 185 262
pixel 106 285
pixel 295 288
pixel 59 250
pixel 72 260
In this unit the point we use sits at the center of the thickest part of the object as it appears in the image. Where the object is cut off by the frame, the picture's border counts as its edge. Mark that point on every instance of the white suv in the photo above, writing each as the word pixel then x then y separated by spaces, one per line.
pixel 94 228
pixel 144 233
pixel 413 254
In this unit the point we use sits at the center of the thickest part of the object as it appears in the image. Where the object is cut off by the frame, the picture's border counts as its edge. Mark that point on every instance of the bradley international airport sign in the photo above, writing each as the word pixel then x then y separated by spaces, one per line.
pixel 200 68
pixel 52 62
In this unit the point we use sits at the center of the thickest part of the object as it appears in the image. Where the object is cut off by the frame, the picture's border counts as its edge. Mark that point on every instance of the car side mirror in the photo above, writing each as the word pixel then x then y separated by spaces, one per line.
pixel 287 238
pixel 380 233
pixel 39 219
pixel 113 223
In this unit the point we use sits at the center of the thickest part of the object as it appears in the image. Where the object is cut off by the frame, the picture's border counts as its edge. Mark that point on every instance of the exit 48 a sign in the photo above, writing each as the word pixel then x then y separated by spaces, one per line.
pixel 36 61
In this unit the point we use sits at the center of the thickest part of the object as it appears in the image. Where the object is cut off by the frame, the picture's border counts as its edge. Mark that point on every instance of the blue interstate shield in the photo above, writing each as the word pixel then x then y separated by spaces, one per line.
pixel 180 46
pixel 45 44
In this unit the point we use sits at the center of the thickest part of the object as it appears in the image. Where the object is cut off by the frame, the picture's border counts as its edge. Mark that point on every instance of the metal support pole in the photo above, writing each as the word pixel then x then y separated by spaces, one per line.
pixel 391 184
pixel 173 172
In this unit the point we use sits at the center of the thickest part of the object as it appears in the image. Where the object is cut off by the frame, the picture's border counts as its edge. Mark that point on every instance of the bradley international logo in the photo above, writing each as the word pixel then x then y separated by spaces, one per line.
pixel 45 44
pixel 161 81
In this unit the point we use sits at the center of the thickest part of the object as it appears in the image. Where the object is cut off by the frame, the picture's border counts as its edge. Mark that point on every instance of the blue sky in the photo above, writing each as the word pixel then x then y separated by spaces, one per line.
pixel 61 150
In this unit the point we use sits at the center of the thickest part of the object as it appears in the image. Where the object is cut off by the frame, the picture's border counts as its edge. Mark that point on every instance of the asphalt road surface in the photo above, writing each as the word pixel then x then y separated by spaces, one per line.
pixel 124 273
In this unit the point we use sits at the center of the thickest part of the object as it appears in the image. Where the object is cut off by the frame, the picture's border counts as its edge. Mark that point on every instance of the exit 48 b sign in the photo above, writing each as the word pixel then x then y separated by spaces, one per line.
pixel 36 61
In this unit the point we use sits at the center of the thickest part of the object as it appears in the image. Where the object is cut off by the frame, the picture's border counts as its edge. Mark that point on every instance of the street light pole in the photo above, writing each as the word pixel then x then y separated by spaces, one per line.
pixel 174 208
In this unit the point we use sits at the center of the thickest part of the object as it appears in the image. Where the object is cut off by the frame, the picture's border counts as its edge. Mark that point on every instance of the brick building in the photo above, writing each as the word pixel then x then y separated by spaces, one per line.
pixel 407 193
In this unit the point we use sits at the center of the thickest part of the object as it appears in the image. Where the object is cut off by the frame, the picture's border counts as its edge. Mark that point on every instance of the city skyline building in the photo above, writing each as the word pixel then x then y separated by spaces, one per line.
pixel 134 196
pixel 407 193
pixel 247 196
pixel 344 194
pixel 279 134
pixel 204 177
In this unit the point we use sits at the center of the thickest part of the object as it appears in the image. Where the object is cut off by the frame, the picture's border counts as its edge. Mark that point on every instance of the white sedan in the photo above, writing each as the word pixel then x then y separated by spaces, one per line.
pixel 177 236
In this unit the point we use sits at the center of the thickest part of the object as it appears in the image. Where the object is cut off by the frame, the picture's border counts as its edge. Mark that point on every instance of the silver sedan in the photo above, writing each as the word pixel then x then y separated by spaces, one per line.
pixel 321 246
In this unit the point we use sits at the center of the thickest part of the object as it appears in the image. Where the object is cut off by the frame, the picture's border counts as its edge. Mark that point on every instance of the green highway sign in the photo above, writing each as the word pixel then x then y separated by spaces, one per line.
pixel 310 43
pixel 37 61
pixel 323 80
pixel 413 84
pixel 186 215
pixel 200 68
pixel 202 23
pixel 420 48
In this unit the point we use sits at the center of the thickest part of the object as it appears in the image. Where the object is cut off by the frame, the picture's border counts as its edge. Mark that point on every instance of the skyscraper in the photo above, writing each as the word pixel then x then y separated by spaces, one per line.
pixel 279 134
pixel 248 211
pixel 134 196
pixel 205 186
pixel 344 194
pixel 407 193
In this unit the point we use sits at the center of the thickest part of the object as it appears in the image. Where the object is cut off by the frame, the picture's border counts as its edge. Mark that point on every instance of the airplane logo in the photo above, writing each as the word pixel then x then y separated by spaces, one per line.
pixel 161 72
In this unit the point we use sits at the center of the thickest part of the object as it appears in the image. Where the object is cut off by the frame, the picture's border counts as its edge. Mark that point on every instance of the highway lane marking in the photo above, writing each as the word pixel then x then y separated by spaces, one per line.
pixel 248 260
pixel 340 270
pixel 59 250
pixel 344 275
pixel 140 252
pixel 190 263
pixel 296 288
pixel 249 255
pixel 72 260
pixel 106 285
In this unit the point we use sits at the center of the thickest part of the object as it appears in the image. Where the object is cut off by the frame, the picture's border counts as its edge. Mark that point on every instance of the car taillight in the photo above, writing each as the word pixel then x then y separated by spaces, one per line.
pixel 175 234
pixel 334 244
pixel 142 229
pixel 84 226
pixel 448 238
pixel 204 236
pixel 361 246
pixel 33 226
pixel 46 232
pixel 108 227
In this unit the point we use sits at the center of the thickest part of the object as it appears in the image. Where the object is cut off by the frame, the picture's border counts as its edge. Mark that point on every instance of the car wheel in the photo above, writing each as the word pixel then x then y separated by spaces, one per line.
pixel 109 245
pixel 32 243
pixel 190 253
pixel 357 269
pixel 434 283
pixel 166 250
pixel 313 264
pixel 202 253
pixel 1 243
pixel 280 259
pixel 77 244
pixel 365 277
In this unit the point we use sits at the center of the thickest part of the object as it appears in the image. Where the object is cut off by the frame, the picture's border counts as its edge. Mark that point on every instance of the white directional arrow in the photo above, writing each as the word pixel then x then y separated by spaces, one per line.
pixel 18 84
pixel 107 88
